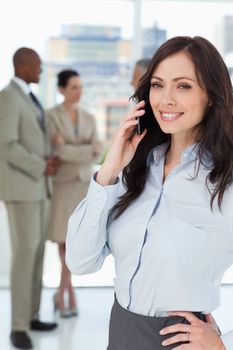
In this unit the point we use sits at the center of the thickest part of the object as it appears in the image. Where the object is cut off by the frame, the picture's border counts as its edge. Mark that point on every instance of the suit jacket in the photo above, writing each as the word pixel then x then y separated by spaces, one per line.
pixel 22 147
pixel 77 152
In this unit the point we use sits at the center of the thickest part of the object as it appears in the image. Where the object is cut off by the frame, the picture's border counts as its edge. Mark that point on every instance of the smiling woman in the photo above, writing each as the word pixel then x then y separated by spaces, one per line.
pixel 30 33
pixel 165 204
pixel 178 101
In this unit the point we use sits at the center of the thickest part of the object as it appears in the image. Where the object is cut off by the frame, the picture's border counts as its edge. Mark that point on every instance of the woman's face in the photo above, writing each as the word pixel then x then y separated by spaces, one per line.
pixel 176 98
pixel 73 90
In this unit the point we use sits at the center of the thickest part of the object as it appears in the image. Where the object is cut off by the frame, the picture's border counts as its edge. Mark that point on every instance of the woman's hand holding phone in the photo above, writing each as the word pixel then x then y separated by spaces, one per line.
pixel 141 126
pixel 123 147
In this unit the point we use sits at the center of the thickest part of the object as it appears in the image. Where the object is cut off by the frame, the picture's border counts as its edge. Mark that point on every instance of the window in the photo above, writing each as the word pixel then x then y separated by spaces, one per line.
pixel 102 44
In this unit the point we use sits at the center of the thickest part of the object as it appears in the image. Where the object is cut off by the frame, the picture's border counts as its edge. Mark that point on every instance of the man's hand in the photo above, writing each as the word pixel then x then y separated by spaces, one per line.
pixel 52 165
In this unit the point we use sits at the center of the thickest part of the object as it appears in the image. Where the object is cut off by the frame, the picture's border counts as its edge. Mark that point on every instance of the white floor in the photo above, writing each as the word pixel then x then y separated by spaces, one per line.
pixel 90 330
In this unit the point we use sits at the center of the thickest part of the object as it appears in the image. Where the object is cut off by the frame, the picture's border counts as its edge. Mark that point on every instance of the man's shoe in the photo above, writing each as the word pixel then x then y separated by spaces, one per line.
pixel 37 325
pixel 21 340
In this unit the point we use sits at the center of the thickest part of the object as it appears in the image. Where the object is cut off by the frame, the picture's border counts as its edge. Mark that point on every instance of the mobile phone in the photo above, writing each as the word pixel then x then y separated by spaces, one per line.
pixel 141 126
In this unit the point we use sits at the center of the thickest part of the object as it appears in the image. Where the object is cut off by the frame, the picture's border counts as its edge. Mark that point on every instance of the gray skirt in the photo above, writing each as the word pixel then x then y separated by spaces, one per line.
pixel 131 331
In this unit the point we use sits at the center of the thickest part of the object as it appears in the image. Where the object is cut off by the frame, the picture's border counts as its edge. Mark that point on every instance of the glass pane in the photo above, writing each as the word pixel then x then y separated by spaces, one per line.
pixel 93 37
pixel 96 39
pixel 213 20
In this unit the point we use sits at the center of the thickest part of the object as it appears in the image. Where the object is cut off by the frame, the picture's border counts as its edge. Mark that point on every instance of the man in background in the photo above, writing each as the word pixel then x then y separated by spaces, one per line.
pixel 140 69
pixel 24 170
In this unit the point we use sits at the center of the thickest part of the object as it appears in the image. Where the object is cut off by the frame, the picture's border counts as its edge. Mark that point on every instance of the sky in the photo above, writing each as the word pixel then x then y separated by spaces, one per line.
pixel 30 22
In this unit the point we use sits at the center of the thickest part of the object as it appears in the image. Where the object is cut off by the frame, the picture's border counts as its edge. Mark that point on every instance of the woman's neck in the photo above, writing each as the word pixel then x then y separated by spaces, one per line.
pixel 174 153
pixel 69 106
pixel 71 109
pixel 177 146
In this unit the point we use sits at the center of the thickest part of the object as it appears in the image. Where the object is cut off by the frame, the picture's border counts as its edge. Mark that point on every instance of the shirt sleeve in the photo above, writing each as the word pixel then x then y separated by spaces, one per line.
pixel 86 242
pixel 227 339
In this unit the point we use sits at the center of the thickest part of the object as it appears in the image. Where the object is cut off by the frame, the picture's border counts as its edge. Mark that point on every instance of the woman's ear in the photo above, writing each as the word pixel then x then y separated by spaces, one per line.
pixel 61 90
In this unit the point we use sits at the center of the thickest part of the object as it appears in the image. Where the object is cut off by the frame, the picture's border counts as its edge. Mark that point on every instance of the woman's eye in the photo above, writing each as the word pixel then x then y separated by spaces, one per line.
pixel 184 86
pixel 156 85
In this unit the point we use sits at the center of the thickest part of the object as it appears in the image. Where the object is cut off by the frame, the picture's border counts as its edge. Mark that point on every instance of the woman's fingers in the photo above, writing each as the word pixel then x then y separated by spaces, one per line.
pixel 133 116
pixel 181 337
pixel 188 315
pixel 139 105
pixel 57 139
pixel 125 142
pixel 130 121
pixel 197 334
pixel 184 330
pixel 128 127
pixel 179 327
pixel 137 111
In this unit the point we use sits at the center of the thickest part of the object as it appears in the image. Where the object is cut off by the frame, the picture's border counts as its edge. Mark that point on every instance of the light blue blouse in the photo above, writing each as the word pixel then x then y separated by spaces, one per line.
pixel 171 250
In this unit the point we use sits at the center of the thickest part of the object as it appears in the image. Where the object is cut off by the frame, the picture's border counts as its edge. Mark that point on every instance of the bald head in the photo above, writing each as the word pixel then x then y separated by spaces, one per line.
pixel 140 69
pixel 27 65
pixel 143 64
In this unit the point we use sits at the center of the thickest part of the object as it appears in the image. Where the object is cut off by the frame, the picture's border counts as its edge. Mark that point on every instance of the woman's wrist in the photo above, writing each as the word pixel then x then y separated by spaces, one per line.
pixel 107 176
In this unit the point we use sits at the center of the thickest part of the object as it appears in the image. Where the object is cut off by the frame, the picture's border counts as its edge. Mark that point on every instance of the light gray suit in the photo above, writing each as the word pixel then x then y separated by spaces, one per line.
pixel 23 188
pixel 70 184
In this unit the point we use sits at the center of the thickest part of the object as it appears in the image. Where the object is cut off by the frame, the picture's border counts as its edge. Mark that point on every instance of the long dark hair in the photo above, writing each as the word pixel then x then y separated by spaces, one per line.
pixel 216 137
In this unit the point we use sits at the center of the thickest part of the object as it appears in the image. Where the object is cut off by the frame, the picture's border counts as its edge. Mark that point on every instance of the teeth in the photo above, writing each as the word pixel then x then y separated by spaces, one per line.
pixel 170 115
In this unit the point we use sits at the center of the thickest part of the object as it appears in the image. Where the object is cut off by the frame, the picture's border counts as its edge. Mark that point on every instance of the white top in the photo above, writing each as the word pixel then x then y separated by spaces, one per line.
pixel 171 250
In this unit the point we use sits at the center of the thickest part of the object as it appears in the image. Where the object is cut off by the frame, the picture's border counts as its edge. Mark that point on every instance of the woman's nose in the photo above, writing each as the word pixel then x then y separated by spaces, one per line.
pixel 168 97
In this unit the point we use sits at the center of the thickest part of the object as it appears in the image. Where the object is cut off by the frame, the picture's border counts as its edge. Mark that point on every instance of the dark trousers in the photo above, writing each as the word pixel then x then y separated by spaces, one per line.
pixel 130 331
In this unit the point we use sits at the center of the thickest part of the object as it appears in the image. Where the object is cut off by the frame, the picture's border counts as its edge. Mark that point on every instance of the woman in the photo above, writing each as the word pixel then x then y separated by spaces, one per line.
pixel 74 140
pixel 168 222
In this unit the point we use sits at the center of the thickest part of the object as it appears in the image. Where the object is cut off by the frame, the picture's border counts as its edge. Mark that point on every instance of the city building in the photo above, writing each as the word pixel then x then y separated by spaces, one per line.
pixel 228 34
pixel 104 60
pixel 102 57
pixel 152 38
pixel 224 40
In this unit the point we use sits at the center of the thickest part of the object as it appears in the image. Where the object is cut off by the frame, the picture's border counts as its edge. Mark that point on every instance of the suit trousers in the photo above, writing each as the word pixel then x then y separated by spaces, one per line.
pixel 131 331
pixel 28 229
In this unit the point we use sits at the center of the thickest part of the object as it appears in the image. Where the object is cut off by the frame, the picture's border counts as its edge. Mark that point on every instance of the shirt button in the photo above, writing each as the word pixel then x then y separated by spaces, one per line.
pixel 95 224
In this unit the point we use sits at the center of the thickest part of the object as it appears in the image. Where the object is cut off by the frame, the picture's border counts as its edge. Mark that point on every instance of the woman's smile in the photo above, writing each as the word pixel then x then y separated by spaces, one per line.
pixel 170 116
